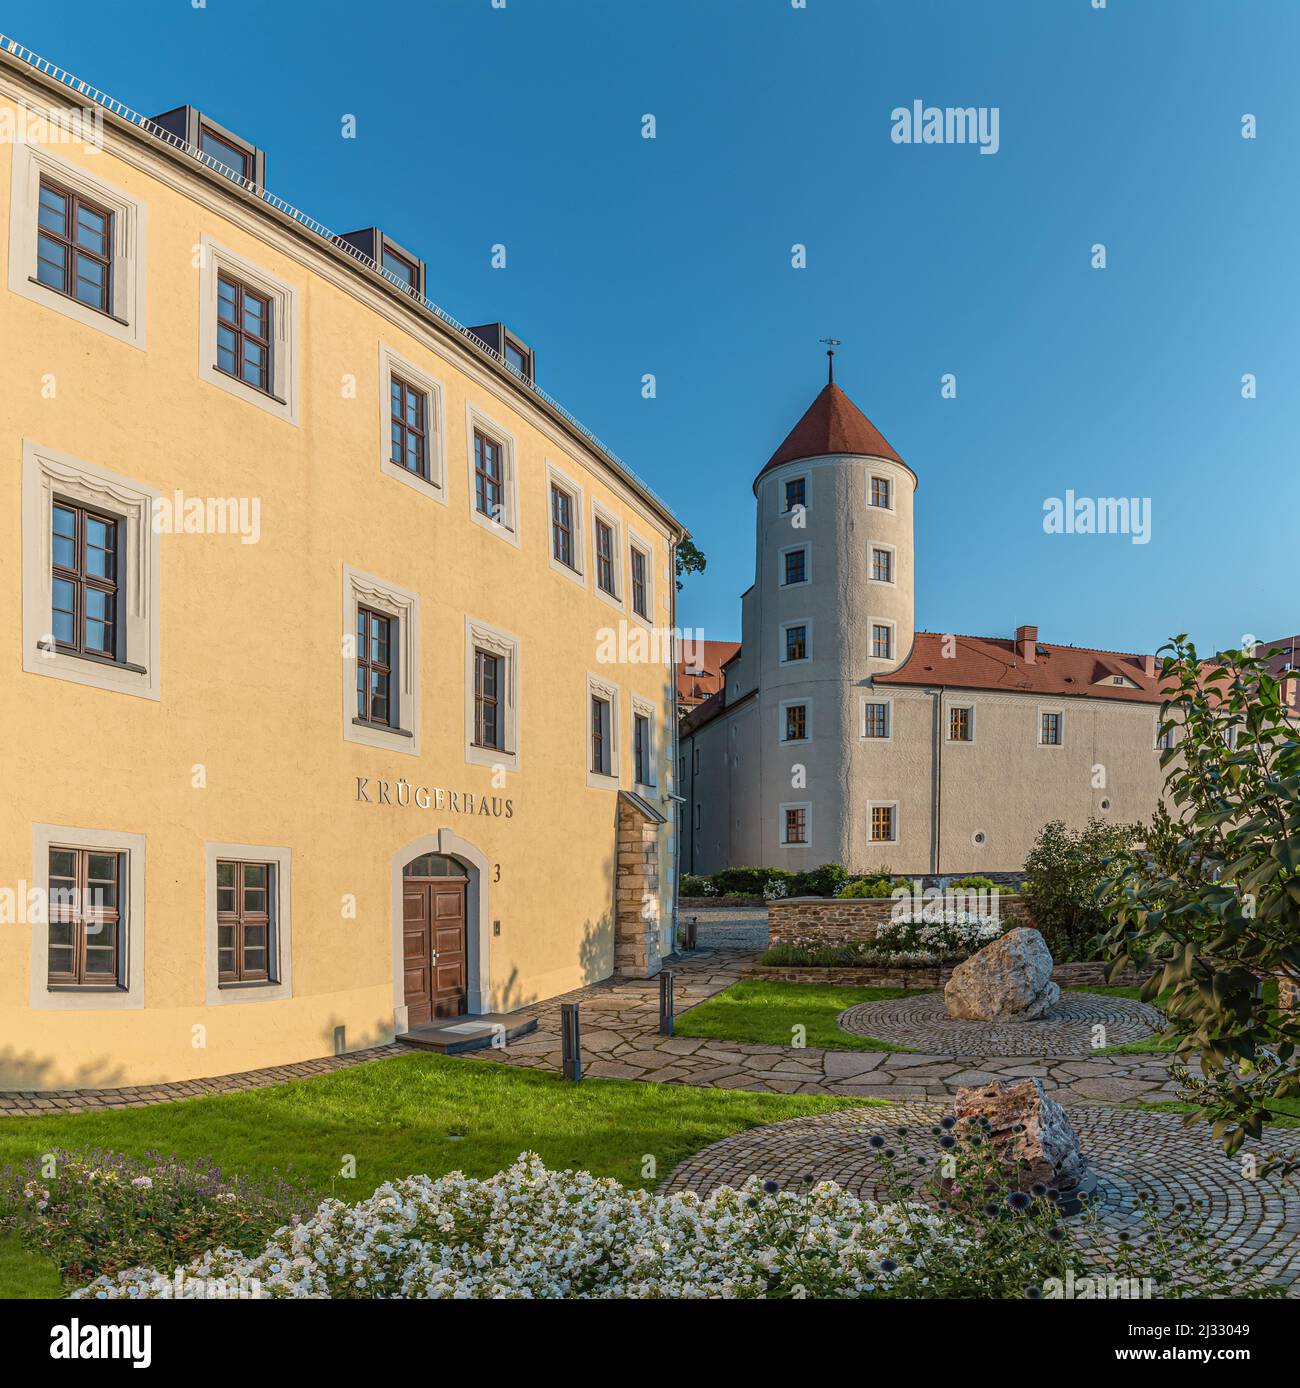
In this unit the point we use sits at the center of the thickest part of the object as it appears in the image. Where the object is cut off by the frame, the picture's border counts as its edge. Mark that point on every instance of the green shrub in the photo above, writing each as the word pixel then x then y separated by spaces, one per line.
pixel 93 1212
pixel 692 884
pixel 1064 874
pixel 860 887
pixel 747 881
pixel 823 881
pixel 976 883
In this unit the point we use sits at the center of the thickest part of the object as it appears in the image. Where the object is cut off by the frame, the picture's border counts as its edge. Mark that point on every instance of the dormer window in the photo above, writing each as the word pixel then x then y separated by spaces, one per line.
pixel 234 159
pixel 517 358
pixel 405 270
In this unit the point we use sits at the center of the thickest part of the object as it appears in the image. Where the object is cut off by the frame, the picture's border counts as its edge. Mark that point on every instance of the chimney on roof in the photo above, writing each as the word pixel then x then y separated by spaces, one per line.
pixel 1149 664
pixel 1026 641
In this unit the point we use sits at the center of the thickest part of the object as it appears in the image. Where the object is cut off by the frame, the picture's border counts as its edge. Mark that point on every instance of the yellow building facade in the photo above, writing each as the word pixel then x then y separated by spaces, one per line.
pixel 335 657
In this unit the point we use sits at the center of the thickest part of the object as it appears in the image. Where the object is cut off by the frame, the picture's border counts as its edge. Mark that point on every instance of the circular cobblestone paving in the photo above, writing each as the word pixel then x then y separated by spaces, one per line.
pixel 1133 1152
pixel 922 1023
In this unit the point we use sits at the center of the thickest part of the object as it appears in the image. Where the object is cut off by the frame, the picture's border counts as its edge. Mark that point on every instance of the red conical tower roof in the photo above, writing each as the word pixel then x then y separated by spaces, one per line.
pixel 831 424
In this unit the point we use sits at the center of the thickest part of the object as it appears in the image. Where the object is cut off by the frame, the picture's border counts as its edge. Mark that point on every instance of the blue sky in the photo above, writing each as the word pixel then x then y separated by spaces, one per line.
pixel 626 256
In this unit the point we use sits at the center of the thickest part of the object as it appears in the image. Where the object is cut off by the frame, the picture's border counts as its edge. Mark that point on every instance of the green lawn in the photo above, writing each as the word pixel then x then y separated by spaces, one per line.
pixel 1151 1044
pixel 414 1113
pixel 766 1012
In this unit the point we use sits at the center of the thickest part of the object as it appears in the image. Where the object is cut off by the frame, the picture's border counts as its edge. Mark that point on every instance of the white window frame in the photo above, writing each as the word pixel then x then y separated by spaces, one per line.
pixel 1060 712
pixel 889 482
pixel 785 704
pixel 484 636
pixel 607 517
pixel 807 565
pixel 892 551
pixel 598 687
pixel 130 993
pixel 806 623
pixel 125 319
pixel 639 542
pixel 578 513
pixel 507 527
pixel 806 807
pixel 281 859
pixel 806 479
pixel 282 402
pixel 873 805
pixel 392 364
pixel 872 624
pixel 365 590
pixel 862 719
pixel 643 708
pixel 969 706
pixel 48 474
pixel 1173 737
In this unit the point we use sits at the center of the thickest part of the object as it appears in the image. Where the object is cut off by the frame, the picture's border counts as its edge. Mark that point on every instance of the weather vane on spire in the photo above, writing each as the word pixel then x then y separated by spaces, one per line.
pixel 831 344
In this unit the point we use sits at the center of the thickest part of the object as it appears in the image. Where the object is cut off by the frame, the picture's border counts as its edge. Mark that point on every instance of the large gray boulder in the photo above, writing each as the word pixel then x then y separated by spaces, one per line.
pixel 1009 980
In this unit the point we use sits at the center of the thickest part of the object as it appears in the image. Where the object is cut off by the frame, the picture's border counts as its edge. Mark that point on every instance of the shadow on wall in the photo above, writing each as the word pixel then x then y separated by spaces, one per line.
pixel 29 1071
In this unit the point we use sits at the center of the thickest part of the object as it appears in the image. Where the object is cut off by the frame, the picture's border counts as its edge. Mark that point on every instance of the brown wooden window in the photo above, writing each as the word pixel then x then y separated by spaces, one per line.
pixel 882 565
pixel 796 643
pixel 487 687
pixel 228 155
pixel 409 427
pixel 796 566
pixel 601 752
pixel 375 668
pixel 959 725
pixel 640 597
pixel 882 824
pixel 85 918
pixel 243 333
pixel 881 492
pixel 796 824
pixel 84 580
pixel 245 922
pixel 796 722
pixel 517 359
pixel 74 247
pixel 641 749
pixel 488 477
pixel 882 641
pixel 562 525
pixel 794 493
pixel 1050 734
pixel 875 721
pixel 605 558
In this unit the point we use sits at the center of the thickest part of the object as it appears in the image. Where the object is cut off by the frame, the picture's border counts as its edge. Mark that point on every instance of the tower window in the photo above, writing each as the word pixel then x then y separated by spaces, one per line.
pixel 875 720
pixel 882 493
pixel 796 642
pixel 795 492
pixel 796 722
pixel 882 823
pixel 796 566
pixel 796 824
pixel 882 641
pixel 882 565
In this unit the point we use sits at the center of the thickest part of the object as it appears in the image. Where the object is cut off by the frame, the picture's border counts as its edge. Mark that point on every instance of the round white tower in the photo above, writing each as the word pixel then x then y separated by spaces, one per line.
pixel 832 605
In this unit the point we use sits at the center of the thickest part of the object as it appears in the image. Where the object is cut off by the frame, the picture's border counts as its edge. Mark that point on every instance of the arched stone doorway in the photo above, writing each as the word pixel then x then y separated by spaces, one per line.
pixel 444 868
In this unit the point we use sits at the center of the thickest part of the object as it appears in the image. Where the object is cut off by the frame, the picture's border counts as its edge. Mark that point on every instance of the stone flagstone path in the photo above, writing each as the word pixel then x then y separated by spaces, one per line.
pixel 620 1039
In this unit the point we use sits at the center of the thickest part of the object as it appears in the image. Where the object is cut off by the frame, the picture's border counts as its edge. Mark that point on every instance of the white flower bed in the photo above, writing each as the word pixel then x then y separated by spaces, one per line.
pixel 938 934
pixel 529 1232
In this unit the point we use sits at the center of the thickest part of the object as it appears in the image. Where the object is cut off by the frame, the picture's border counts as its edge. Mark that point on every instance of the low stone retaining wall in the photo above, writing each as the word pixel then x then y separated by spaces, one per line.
pixel 1089 974
pixel 854 920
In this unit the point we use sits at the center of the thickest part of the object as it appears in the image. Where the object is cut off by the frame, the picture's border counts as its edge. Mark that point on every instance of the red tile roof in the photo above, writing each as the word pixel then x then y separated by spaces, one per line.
pixel 986 662
pixel 696 684
pixel 831 424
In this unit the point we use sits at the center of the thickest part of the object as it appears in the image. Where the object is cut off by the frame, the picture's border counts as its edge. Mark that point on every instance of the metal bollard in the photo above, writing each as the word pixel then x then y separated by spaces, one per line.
pixel 691 922
pixel 666 1003
pixel 571 1040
